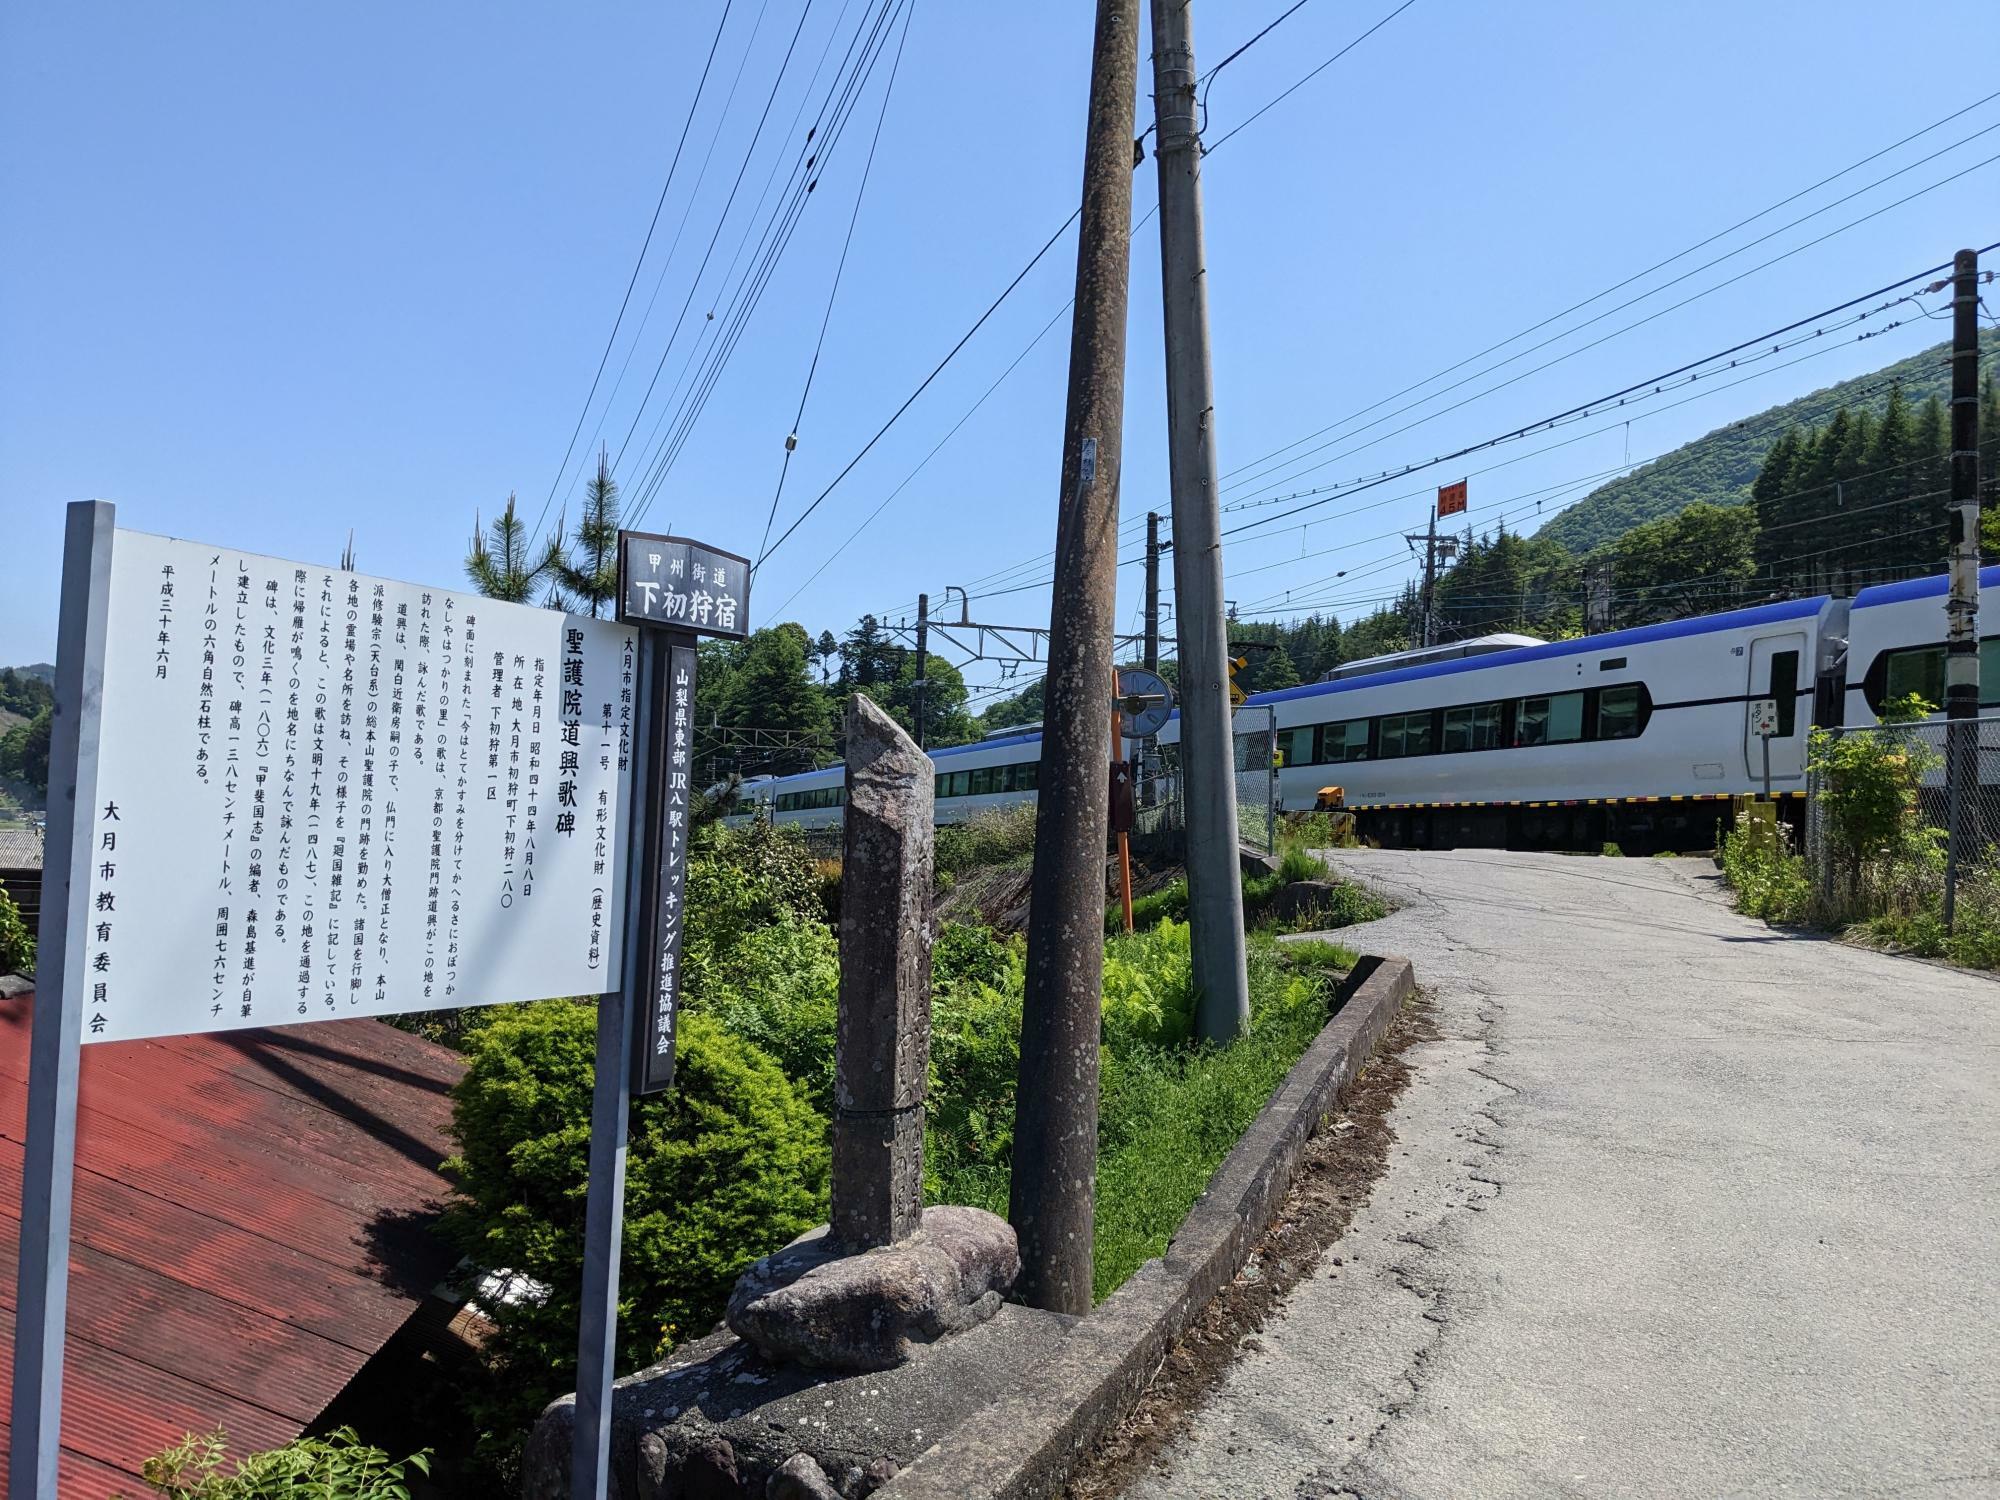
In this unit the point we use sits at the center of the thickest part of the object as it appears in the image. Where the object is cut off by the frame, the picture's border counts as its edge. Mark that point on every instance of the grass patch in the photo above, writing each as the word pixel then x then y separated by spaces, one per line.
pixel 1169 1115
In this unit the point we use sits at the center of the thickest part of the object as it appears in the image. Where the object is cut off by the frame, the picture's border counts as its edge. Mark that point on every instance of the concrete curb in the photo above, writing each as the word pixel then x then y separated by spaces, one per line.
pixel 1023 1447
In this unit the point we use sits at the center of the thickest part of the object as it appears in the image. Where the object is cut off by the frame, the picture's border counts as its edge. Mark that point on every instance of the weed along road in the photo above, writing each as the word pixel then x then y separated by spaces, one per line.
pixel 1677 1206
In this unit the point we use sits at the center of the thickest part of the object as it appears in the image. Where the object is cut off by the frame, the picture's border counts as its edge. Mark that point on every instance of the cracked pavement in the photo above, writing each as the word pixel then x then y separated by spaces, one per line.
pixel 1678 1206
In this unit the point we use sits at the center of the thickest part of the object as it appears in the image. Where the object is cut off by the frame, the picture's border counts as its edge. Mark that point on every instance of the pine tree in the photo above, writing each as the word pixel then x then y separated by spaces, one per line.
pixel 770 689
pixel 1278 670
pixel 588 568
pixel 498 564
pixel 868 656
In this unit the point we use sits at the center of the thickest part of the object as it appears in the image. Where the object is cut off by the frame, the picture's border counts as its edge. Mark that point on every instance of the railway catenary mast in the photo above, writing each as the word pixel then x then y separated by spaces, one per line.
pixel 1961 662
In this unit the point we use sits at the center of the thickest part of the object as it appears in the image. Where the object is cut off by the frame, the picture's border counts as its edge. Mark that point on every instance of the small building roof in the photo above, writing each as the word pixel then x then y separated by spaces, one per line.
pixel 251 1226
pixel 20 849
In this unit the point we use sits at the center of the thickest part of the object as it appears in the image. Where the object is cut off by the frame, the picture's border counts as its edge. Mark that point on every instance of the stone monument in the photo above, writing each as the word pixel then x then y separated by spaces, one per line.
pixel 886 1275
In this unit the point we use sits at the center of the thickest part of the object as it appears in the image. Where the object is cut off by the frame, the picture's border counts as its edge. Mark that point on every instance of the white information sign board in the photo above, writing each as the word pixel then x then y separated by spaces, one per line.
pixel 323 795
pixel 1764 716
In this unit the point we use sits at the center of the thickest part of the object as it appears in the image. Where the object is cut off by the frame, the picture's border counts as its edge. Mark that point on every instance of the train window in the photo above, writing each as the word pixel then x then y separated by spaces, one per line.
pixel 961 783
pixel 1345 741
pixel 1476 726
pixel 1785 688
pixel 1555 720
pixel 1919 671
pixel 1026 775
pixel 1618 712
pixel 1296 745
pixel 1406 734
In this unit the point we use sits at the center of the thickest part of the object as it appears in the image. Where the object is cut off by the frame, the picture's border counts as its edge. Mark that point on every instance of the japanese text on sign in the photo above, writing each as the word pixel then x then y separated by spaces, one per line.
pixel 329 795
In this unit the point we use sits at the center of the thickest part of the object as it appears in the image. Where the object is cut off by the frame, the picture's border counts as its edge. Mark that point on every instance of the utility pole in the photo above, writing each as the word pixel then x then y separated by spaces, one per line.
pixel 919 690
pixel 1208 761
pixel 1151 657
pixel 1053 1197
pixel 1430 540
pixel 1961 662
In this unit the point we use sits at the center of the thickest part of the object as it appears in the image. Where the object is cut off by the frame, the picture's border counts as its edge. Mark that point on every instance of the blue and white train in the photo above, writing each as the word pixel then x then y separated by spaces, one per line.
pixel 1639 736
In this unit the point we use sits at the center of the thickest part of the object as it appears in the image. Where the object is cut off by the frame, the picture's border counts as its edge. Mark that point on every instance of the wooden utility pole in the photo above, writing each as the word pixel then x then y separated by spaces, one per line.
pixel 1208 761
pixel 1961 662
pixel 1053 1198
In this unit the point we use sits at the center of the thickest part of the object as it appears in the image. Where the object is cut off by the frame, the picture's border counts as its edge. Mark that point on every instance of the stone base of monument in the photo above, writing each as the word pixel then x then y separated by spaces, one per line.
pixel 720 1422
pixel 815 1304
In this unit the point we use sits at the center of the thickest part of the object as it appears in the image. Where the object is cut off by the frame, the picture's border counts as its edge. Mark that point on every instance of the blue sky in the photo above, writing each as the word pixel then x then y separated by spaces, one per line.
pixel 271 272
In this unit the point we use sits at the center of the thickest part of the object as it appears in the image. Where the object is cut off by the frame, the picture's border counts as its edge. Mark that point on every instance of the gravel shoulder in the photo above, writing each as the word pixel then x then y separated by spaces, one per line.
pixel 1676 1205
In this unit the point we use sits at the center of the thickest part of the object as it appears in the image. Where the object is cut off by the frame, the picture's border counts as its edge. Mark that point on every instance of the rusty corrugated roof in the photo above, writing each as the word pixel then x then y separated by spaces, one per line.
pixel 250 1227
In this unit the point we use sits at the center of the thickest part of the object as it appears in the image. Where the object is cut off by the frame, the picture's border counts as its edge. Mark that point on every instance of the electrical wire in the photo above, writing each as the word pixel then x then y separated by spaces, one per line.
pixel 645 245
pixel 840 267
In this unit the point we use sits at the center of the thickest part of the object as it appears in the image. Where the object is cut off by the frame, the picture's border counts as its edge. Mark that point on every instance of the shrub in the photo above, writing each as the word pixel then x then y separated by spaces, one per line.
pixel 726 1166
pixel 1612 851
pixel 338 1466
pixel 17 944
pixel 1149 988
pixel 994 836
pixel 1769 880
pixel 1168 903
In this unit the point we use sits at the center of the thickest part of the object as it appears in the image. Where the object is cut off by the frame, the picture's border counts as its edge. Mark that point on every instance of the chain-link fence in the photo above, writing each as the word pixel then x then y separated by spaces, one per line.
pixel 1904 819
pixel 1158 803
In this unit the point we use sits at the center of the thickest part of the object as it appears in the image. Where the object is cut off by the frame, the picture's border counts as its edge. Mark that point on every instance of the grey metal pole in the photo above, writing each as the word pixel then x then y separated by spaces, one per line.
pixel 1151 659
pixel 920 689
pixel 1208 766
pixel 611 1097
pixel 1961 662
pixel 1767 765
pixel 1052 1200
pixel 48 1167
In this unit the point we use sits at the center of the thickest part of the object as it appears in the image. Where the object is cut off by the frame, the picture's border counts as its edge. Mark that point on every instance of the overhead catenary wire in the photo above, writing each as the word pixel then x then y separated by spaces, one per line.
pixel 676 421
pixel 626 301
pixel 1698 245
pixel 1022 275
pixel 1618 286
pixel 840 267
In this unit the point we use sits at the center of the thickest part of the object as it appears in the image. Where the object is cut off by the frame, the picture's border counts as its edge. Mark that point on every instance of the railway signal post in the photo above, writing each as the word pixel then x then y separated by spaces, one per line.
pixel 1208 776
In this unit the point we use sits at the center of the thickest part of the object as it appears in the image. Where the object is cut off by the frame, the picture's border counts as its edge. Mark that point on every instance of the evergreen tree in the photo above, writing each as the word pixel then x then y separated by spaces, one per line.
pixel 771 690
pixel 826 655
pixel 498 564
pixel 588 568
pixel 1772 497
pixel 1278 670
pixel 868 656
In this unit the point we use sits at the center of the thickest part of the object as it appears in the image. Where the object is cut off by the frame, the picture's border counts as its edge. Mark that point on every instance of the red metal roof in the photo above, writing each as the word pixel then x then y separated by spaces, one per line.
pixel 249 1229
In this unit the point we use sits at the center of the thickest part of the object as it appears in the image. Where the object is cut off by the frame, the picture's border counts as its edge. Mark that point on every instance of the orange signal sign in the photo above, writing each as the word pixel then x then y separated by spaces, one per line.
pixel 1451 498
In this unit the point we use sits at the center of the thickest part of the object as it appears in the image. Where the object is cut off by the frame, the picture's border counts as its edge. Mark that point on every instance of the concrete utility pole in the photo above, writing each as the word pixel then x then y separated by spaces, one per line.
pixel 1052 1202
pixel 1208 762
pixel 919 690
pixel 1430 541
pixel 1151 657
pixel 1961 662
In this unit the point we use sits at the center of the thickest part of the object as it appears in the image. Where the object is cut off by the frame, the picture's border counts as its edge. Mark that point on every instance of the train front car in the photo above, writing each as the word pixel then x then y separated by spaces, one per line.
pixel 1638 737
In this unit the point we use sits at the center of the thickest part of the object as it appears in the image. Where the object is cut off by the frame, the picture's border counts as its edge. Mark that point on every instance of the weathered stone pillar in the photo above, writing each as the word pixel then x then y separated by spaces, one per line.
pixel 882 1056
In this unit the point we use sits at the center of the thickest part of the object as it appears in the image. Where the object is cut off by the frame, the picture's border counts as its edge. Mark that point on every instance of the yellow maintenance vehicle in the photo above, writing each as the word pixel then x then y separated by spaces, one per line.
pixel 1332 801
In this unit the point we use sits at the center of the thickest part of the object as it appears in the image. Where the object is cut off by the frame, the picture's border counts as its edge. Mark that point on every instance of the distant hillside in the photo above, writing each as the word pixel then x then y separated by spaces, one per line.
pixel 45 670
pixel 1718 468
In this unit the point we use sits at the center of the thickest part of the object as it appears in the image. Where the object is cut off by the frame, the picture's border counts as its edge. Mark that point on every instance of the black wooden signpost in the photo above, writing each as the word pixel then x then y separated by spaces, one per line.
pixel 677 590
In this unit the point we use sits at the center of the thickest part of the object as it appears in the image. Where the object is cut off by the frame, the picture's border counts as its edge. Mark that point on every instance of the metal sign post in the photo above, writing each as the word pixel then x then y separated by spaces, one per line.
pixel 1764 724
pixel 676 589
pixel 243 749
pixel 48 1167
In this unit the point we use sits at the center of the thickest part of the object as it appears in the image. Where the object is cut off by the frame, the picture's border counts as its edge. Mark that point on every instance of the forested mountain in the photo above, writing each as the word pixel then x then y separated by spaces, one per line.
pixel 1718 468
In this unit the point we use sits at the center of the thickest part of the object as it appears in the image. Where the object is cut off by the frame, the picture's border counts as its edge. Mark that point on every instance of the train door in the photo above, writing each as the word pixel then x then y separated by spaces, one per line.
pixel 1776 665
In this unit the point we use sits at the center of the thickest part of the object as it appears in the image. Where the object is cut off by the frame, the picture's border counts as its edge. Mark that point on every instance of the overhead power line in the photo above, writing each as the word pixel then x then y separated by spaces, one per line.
pixel 645 245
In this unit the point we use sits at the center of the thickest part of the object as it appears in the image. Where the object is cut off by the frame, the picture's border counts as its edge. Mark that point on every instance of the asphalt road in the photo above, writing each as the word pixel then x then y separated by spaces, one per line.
pixel 1678 1206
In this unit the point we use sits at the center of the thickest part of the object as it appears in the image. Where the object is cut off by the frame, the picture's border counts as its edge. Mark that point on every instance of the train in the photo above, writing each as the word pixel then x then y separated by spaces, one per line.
pixel 1640 737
